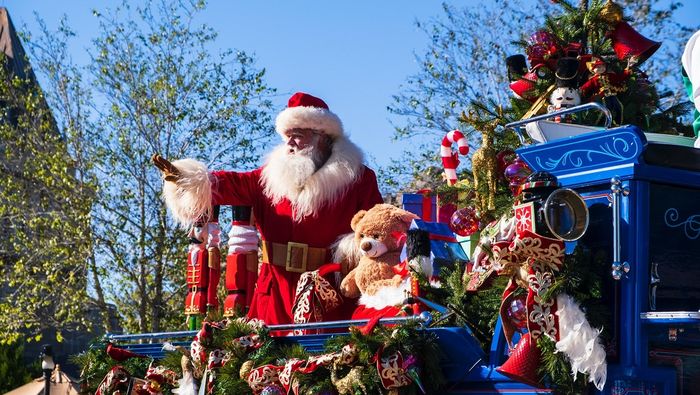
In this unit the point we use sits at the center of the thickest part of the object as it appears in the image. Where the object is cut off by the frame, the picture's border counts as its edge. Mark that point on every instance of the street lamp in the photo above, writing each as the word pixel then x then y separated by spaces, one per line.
pixel 47 366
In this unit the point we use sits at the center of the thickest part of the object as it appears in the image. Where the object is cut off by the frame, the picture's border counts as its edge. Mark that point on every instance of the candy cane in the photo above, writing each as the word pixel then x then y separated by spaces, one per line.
pixel 450 161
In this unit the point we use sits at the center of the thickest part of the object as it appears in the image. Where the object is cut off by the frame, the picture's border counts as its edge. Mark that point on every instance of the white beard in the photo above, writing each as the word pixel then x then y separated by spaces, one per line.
pixel 305 181
pixel 287 172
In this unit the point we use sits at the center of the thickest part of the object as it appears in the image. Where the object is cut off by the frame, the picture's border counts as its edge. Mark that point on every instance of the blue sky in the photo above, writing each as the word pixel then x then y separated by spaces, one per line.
pixel 354 55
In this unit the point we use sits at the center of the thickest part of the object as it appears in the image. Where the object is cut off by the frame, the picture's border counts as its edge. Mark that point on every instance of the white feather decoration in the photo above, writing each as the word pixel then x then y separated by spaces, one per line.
pixel 186 385
pixel 580 343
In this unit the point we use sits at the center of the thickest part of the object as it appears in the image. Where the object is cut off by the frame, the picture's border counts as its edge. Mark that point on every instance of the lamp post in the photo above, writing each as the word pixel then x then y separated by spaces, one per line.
pixel 47 366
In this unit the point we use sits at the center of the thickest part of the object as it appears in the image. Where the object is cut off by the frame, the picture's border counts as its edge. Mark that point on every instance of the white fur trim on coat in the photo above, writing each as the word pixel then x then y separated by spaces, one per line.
pixel 189 199
pixel 324 187
pixel 309 118
pixel 387 296
pixel 580 343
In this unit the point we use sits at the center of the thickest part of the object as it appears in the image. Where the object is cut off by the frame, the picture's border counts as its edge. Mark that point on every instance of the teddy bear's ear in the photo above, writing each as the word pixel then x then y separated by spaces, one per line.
pixel 356 218
pixel 405 216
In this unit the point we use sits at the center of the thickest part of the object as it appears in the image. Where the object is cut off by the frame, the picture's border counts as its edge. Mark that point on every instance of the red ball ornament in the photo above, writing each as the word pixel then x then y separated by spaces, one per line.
pixel 516 173
pixel 517 313
pixel 464 221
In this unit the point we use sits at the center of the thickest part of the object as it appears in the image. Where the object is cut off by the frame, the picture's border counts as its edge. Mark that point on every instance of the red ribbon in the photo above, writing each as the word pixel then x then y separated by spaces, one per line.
pixel 449 239
pixel 544 258
pixel 427 213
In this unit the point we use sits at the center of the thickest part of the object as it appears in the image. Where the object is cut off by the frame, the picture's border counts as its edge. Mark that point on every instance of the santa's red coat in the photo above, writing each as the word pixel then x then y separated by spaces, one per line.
pixel 274 293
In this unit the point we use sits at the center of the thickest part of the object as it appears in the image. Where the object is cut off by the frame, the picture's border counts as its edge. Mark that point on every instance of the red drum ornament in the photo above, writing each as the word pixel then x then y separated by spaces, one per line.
pixel 464 221
pixel 542 47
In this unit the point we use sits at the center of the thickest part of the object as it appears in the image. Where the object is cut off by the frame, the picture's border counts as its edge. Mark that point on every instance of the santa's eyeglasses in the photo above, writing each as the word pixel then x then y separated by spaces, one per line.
pixel 300 134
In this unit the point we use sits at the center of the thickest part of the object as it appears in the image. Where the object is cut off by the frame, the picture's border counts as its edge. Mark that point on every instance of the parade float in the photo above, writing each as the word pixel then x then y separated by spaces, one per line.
pixel 564 265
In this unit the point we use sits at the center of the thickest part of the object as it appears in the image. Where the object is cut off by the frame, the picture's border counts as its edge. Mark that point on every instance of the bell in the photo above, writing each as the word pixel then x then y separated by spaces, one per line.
pixel 523 362
pixel 630 44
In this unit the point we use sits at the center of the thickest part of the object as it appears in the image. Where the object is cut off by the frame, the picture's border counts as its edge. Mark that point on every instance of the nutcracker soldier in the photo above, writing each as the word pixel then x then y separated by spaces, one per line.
pixel 241 262
pixel 203 270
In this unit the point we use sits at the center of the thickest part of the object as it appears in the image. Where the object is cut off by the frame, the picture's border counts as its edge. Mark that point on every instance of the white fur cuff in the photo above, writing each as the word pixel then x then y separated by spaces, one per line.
pixel 189 199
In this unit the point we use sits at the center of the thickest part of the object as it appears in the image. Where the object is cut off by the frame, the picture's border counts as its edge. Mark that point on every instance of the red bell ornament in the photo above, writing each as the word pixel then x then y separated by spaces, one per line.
pixel 464 221
pixel 630 44
pixel 523 362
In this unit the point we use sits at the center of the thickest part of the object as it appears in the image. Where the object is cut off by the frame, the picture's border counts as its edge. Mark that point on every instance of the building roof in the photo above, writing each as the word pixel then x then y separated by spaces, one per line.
pixel 12 47
pixel 61 384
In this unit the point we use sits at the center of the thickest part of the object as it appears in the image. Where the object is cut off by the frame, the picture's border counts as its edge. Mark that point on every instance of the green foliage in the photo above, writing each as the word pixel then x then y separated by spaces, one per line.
pixel 44 214
pixel 408 339
pixel 478 310
pixel 581 277
pixel 639 102
pixel 13 369
pixel 153 85
pixel 556 369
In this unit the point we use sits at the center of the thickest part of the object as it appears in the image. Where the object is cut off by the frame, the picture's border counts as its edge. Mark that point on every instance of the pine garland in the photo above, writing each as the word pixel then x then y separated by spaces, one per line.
pixel 409 339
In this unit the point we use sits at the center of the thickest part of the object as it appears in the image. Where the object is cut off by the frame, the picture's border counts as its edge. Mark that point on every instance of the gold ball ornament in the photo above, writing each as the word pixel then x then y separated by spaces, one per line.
pixel 611 13
pixel 347 384
pixel 245 369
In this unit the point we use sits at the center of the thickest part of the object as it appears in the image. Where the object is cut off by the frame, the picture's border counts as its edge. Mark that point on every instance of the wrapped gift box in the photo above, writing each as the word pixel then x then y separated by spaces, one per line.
pixel 427 206
pixel 423 205
pixel 445 250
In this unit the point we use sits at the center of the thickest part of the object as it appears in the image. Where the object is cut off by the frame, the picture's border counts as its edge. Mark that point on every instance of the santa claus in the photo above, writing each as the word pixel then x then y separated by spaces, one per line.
pixel 303 199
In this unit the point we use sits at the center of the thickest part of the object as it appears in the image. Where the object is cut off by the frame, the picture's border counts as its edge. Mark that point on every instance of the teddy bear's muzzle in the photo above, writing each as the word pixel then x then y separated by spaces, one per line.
pixel 372 248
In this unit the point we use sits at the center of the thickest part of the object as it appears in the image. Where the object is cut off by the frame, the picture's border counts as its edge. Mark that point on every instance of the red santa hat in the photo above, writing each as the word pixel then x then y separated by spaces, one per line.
pixel 308 112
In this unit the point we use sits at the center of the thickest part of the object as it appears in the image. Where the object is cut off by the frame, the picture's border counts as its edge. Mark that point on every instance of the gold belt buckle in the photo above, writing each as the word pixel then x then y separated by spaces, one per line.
pixel 293 257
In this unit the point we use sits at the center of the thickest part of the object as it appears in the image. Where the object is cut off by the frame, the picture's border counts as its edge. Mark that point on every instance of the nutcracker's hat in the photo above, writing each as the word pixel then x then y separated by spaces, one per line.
pixel 517 67
pixel 305 111
pixel 567 72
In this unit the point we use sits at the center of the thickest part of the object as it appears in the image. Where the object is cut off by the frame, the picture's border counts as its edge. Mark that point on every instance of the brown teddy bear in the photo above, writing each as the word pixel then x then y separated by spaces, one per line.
pixel 377 279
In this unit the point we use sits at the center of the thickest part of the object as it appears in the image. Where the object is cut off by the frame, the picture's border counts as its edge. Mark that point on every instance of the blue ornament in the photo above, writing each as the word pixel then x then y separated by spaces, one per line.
pixel 272 390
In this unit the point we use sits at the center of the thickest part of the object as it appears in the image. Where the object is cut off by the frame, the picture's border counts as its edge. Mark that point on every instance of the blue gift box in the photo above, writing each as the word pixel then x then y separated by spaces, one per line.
pixel 445 250
pixel 415 203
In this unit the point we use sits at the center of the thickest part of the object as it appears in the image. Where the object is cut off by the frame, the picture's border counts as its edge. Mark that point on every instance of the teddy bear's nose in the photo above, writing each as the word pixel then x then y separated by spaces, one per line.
pixel 366 246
